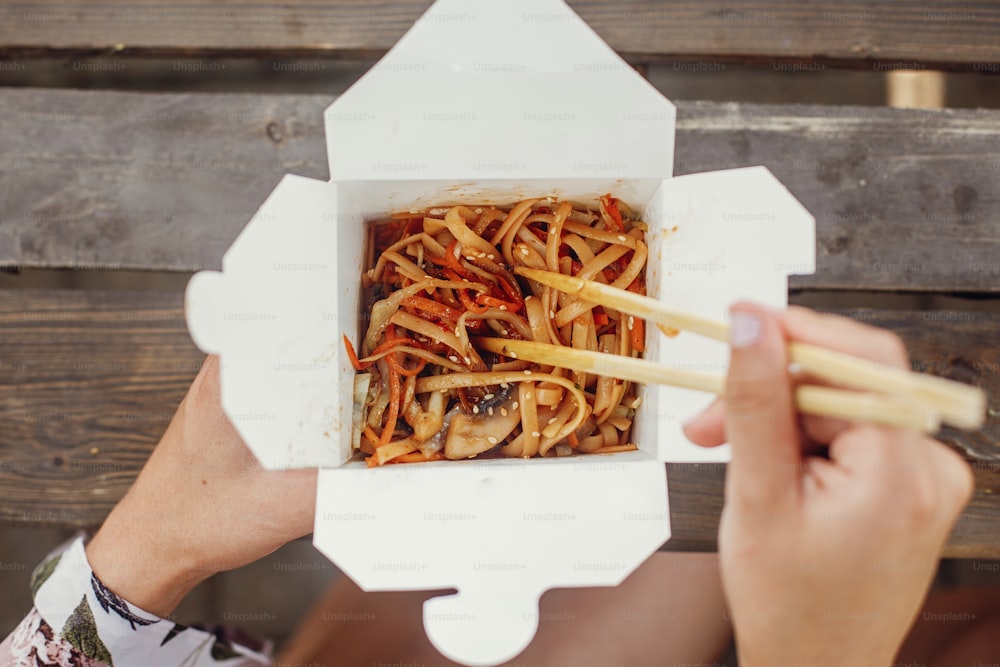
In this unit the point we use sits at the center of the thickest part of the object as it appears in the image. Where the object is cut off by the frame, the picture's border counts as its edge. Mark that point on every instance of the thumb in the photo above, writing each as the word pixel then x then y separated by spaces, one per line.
pixel 760 412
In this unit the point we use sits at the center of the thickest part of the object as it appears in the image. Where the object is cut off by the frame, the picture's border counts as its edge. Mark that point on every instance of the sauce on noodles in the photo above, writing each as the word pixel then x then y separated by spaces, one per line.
pixel 437 280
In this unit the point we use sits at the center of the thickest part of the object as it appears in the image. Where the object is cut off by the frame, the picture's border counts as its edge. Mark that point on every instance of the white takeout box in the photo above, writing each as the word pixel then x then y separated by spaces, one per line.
pixel 484 102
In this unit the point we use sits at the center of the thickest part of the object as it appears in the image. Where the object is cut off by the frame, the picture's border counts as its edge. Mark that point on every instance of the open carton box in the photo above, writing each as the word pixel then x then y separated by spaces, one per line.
pixel 484 102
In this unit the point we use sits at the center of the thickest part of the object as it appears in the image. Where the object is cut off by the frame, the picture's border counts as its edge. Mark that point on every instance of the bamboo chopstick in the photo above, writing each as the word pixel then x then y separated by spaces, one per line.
pixel 958 404
pixel 822 401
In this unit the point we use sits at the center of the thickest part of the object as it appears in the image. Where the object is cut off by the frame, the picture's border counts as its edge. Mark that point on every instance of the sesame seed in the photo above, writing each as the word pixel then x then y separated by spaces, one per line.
pixel 524 251
pixel 535 434
pixel 503 307
pixel 529 394
pixel 527 372
pixel 513 355
pixel 503 411
pixel 481 255
pixel 478 211
pixel 621 237
pixel 475 409
pixel 488 396
pixel 631 322
pixel 453 358
pixel 551 420
pixel 491 440
pixel 504 385
pixel 489 411
pixel 491 256
pixel 515 405
pixel 468 360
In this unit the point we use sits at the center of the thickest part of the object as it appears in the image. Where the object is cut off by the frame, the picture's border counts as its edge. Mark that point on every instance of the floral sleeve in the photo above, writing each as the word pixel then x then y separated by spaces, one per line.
pixel 78 622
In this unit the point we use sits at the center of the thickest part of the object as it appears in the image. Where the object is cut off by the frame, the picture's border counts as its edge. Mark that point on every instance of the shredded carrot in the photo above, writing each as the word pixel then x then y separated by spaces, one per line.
pixel 394 364
pixel 574 441
pixel 485 300
pixel 638 337
pixel 395 392
pixel 433 307
pixel 352 355
pixel 600 318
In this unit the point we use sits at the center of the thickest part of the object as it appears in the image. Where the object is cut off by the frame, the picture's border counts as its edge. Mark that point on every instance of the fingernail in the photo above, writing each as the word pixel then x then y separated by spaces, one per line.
pixel 744 328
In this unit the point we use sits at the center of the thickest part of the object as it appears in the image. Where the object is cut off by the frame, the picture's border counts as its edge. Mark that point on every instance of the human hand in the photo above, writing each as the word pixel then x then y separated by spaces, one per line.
pixel 202 504
pixel 824 561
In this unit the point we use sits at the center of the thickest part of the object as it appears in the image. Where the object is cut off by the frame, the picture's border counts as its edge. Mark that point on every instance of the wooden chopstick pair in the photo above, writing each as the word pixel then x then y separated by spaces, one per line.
pixel 891 396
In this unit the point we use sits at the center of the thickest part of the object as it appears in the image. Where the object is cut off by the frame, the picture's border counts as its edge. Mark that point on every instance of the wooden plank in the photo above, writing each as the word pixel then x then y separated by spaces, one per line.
pixel 904 200
pixel 157 181
pixel 90 379
pixel 896 33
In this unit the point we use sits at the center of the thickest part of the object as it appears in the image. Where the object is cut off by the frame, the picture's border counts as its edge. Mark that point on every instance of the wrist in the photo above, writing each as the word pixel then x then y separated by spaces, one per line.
pixel 130 561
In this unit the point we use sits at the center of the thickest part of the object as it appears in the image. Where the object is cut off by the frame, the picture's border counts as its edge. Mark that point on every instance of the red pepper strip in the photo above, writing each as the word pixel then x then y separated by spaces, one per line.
pixel 601 318
pixel 611 206
pixel 395 392
pixel 574 441
pixel 469 304
pixel 511 291
pixel 352 355
pixel 486 300
pixel 455 263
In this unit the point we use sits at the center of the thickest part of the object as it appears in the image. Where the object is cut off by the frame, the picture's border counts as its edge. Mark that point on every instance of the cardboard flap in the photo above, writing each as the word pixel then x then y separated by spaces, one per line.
pixel 727 236
pixel 486 89
pixel 271 315
pixel 501 531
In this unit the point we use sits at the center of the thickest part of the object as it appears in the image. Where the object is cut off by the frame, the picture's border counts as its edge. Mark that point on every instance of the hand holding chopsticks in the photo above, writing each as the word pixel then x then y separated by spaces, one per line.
pixel 900 397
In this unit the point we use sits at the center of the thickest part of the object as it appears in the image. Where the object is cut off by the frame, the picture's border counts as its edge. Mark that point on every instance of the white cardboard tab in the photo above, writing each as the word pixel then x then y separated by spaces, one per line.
pixel 483 102
pixel 515 89
pixel 269 314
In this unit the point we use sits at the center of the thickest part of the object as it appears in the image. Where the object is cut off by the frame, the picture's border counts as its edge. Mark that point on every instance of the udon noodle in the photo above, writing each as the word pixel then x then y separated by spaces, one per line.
pixel 444 278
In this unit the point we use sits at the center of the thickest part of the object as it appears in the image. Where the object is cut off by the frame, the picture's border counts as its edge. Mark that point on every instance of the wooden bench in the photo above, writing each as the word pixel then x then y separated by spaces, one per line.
pixel 905 200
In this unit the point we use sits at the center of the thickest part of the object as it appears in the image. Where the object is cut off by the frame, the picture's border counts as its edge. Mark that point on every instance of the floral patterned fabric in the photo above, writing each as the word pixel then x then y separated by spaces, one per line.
pixel 78 622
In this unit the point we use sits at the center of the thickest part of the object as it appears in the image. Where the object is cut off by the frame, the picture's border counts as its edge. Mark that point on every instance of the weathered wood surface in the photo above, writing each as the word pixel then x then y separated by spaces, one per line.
pixel 90 379
pixel 896 33
pixel 904 200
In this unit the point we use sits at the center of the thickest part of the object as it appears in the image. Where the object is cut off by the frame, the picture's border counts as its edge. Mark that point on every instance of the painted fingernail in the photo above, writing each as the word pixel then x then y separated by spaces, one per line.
pixel 744 328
